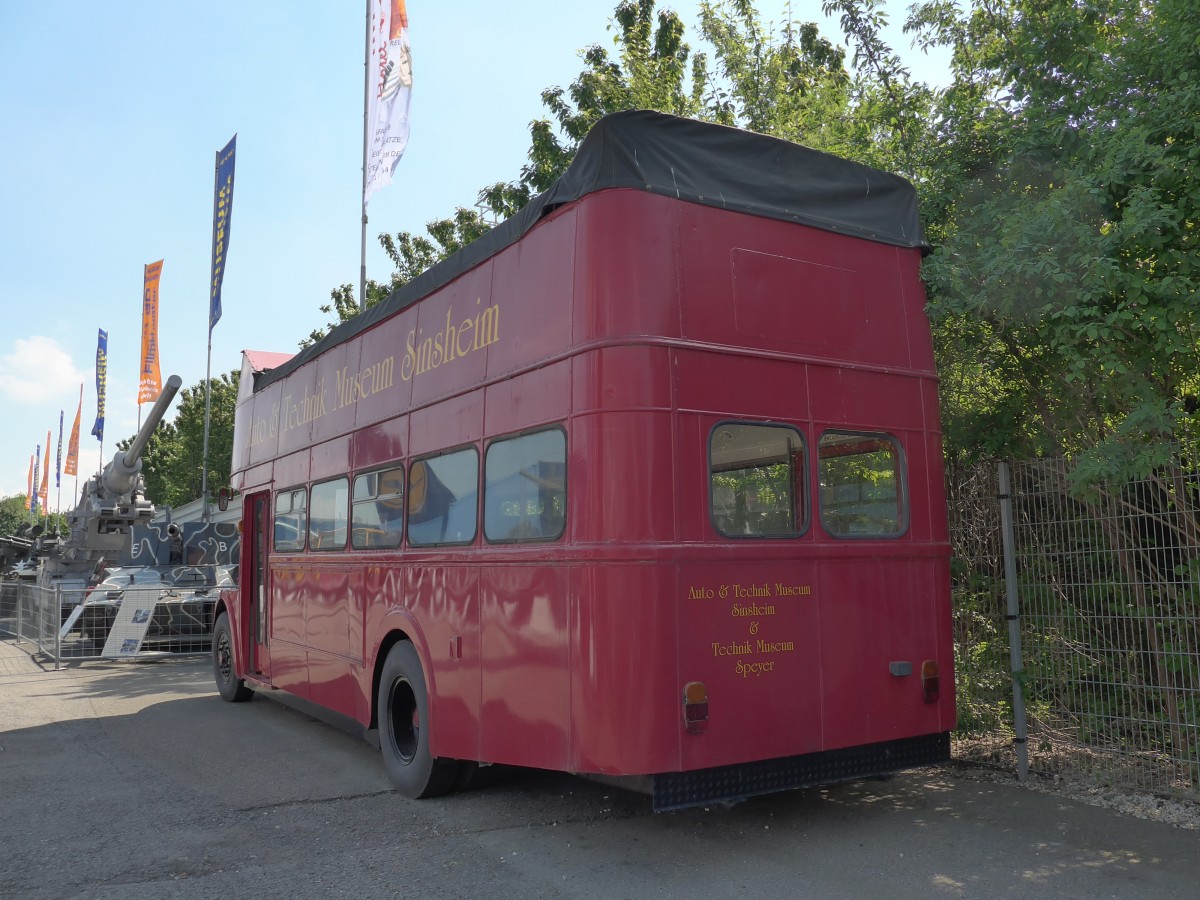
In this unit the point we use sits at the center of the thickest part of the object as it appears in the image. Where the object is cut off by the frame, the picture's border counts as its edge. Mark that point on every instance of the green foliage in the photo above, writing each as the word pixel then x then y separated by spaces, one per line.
pixel 792 86
pixel 173 461
pixel 1068 241
pixel 13 514
pixel 761 499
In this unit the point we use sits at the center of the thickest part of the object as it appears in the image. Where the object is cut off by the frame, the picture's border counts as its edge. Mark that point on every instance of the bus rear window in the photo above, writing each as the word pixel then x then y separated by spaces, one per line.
pixel 862 485
pixel 756 480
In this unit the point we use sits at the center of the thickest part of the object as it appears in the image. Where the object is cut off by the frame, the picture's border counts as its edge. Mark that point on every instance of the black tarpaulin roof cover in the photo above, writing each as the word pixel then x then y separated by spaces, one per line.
pixel 713 165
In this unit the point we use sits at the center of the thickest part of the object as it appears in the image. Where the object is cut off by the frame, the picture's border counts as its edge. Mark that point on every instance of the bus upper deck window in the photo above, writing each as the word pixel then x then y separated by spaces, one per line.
pixel 757 481
pixel 862 488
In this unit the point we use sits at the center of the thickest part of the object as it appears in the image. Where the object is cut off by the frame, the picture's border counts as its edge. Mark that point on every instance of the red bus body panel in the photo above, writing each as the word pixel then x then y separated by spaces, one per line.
pixel 637 323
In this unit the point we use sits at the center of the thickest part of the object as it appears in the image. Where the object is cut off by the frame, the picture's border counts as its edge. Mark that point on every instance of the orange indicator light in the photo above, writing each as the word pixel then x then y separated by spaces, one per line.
pixel 695 707
pixel 930 682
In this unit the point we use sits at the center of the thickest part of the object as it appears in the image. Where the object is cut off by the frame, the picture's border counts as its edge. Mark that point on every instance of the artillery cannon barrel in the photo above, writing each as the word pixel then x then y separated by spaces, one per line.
pixel 120 475
pixel 157 411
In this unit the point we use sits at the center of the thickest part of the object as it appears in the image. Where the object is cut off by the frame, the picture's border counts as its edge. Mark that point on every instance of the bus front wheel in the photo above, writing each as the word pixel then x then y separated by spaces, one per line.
pixel 403 705
pixel 229 686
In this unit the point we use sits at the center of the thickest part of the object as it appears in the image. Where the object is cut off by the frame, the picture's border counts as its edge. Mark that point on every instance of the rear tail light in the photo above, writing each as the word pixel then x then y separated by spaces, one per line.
pixel 695 707
pixel 930 682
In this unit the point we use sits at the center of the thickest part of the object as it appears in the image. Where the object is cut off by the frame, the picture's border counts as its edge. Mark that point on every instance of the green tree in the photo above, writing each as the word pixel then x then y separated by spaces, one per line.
pixel 1067 270
pixel 13 514
pixel 173 461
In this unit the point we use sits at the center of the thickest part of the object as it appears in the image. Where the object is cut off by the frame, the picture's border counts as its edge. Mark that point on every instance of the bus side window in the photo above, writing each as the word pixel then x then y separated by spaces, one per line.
pixel 861 485
pixel 377 518
pixel 525 487
pixel 291 519
pixel 327 519
pixel 443 494
pixel 757 482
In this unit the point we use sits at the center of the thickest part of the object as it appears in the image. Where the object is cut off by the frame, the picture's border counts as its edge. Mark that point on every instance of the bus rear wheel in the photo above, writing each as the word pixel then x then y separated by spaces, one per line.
pixel 229 686
pixel 403 704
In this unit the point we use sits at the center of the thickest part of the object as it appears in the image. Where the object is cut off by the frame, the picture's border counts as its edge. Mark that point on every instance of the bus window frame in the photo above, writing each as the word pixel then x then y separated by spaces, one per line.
pixel 800 483
pixel 904 498
pixel 375 470
pixel 516 436
pixel 302 533
pixel 316 546
pixel 408 493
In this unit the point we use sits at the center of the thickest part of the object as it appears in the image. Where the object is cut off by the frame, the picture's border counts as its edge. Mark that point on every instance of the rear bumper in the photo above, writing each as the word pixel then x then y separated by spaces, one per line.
pixel 676 790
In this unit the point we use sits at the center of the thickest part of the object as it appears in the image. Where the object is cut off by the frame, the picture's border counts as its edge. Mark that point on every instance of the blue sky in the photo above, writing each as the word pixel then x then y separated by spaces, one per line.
pixel 113 114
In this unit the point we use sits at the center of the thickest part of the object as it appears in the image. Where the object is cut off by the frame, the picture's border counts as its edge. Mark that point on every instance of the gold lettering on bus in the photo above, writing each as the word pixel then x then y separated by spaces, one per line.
pixel 453 341
pixel 749 592
pixel 265 429
pixel 792 590
pixel 306 409
pixel 744 591
pixel 768 647
pixel 746 669
pixel 732 649
pixel 354 386
pixel 752 609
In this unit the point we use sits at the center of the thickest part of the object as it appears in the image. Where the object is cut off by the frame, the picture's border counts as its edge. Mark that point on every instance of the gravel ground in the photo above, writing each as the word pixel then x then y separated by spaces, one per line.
pixel 1169 810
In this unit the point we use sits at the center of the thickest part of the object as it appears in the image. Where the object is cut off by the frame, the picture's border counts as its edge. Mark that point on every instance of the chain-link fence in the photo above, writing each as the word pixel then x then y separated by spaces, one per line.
pixel 1108 584
pixel 28 613
pixel 981 646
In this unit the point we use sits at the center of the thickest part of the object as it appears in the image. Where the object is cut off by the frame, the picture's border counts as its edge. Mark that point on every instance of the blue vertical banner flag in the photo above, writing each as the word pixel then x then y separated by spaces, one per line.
pixel 101 382
pixel 45 491
pixel 37 474
pixel 58 457
pixel 222 216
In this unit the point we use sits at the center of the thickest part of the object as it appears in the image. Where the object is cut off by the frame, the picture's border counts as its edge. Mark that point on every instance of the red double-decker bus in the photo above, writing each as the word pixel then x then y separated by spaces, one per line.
pixel 644 484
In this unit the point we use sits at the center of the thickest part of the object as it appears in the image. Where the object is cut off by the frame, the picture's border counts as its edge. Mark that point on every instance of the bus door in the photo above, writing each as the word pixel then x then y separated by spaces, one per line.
pixel 258 614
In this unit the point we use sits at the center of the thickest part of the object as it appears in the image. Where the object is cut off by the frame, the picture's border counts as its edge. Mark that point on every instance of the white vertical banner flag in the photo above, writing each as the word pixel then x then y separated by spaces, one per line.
pixel 389 77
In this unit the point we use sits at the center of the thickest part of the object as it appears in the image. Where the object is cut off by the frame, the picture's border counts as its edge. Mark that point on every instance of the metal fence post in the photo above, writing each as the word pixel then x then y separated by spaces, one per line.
pixel 1016 664
pixel 20 606
pixel 56 622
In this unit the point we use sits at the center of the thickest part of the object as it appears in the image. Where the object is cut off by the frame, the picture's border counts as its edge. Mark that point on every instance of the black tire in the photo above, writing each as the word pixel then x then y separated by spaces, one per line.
pixel 229 686
pixel 403 707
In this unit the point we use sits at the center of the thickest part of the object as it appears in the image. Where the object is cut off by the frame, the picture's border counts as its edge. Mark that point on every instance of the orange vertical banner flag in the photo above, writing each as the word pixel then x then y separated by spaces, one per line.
pixel 150 379
pixel 71 465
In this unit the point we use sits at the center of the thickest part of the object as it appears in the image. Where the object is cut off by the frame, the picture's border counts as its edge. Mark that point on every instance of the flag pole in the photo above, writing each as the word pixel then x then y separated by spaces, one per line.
pixel 58 467
pixel 207 408
pixel 362 268
pixel 208 365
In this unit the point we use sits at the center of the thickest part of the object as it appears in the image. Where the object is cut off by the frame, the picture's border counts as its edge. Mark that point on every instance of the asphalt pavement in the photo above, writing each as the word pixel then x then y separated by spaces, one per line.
pixel 134 780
